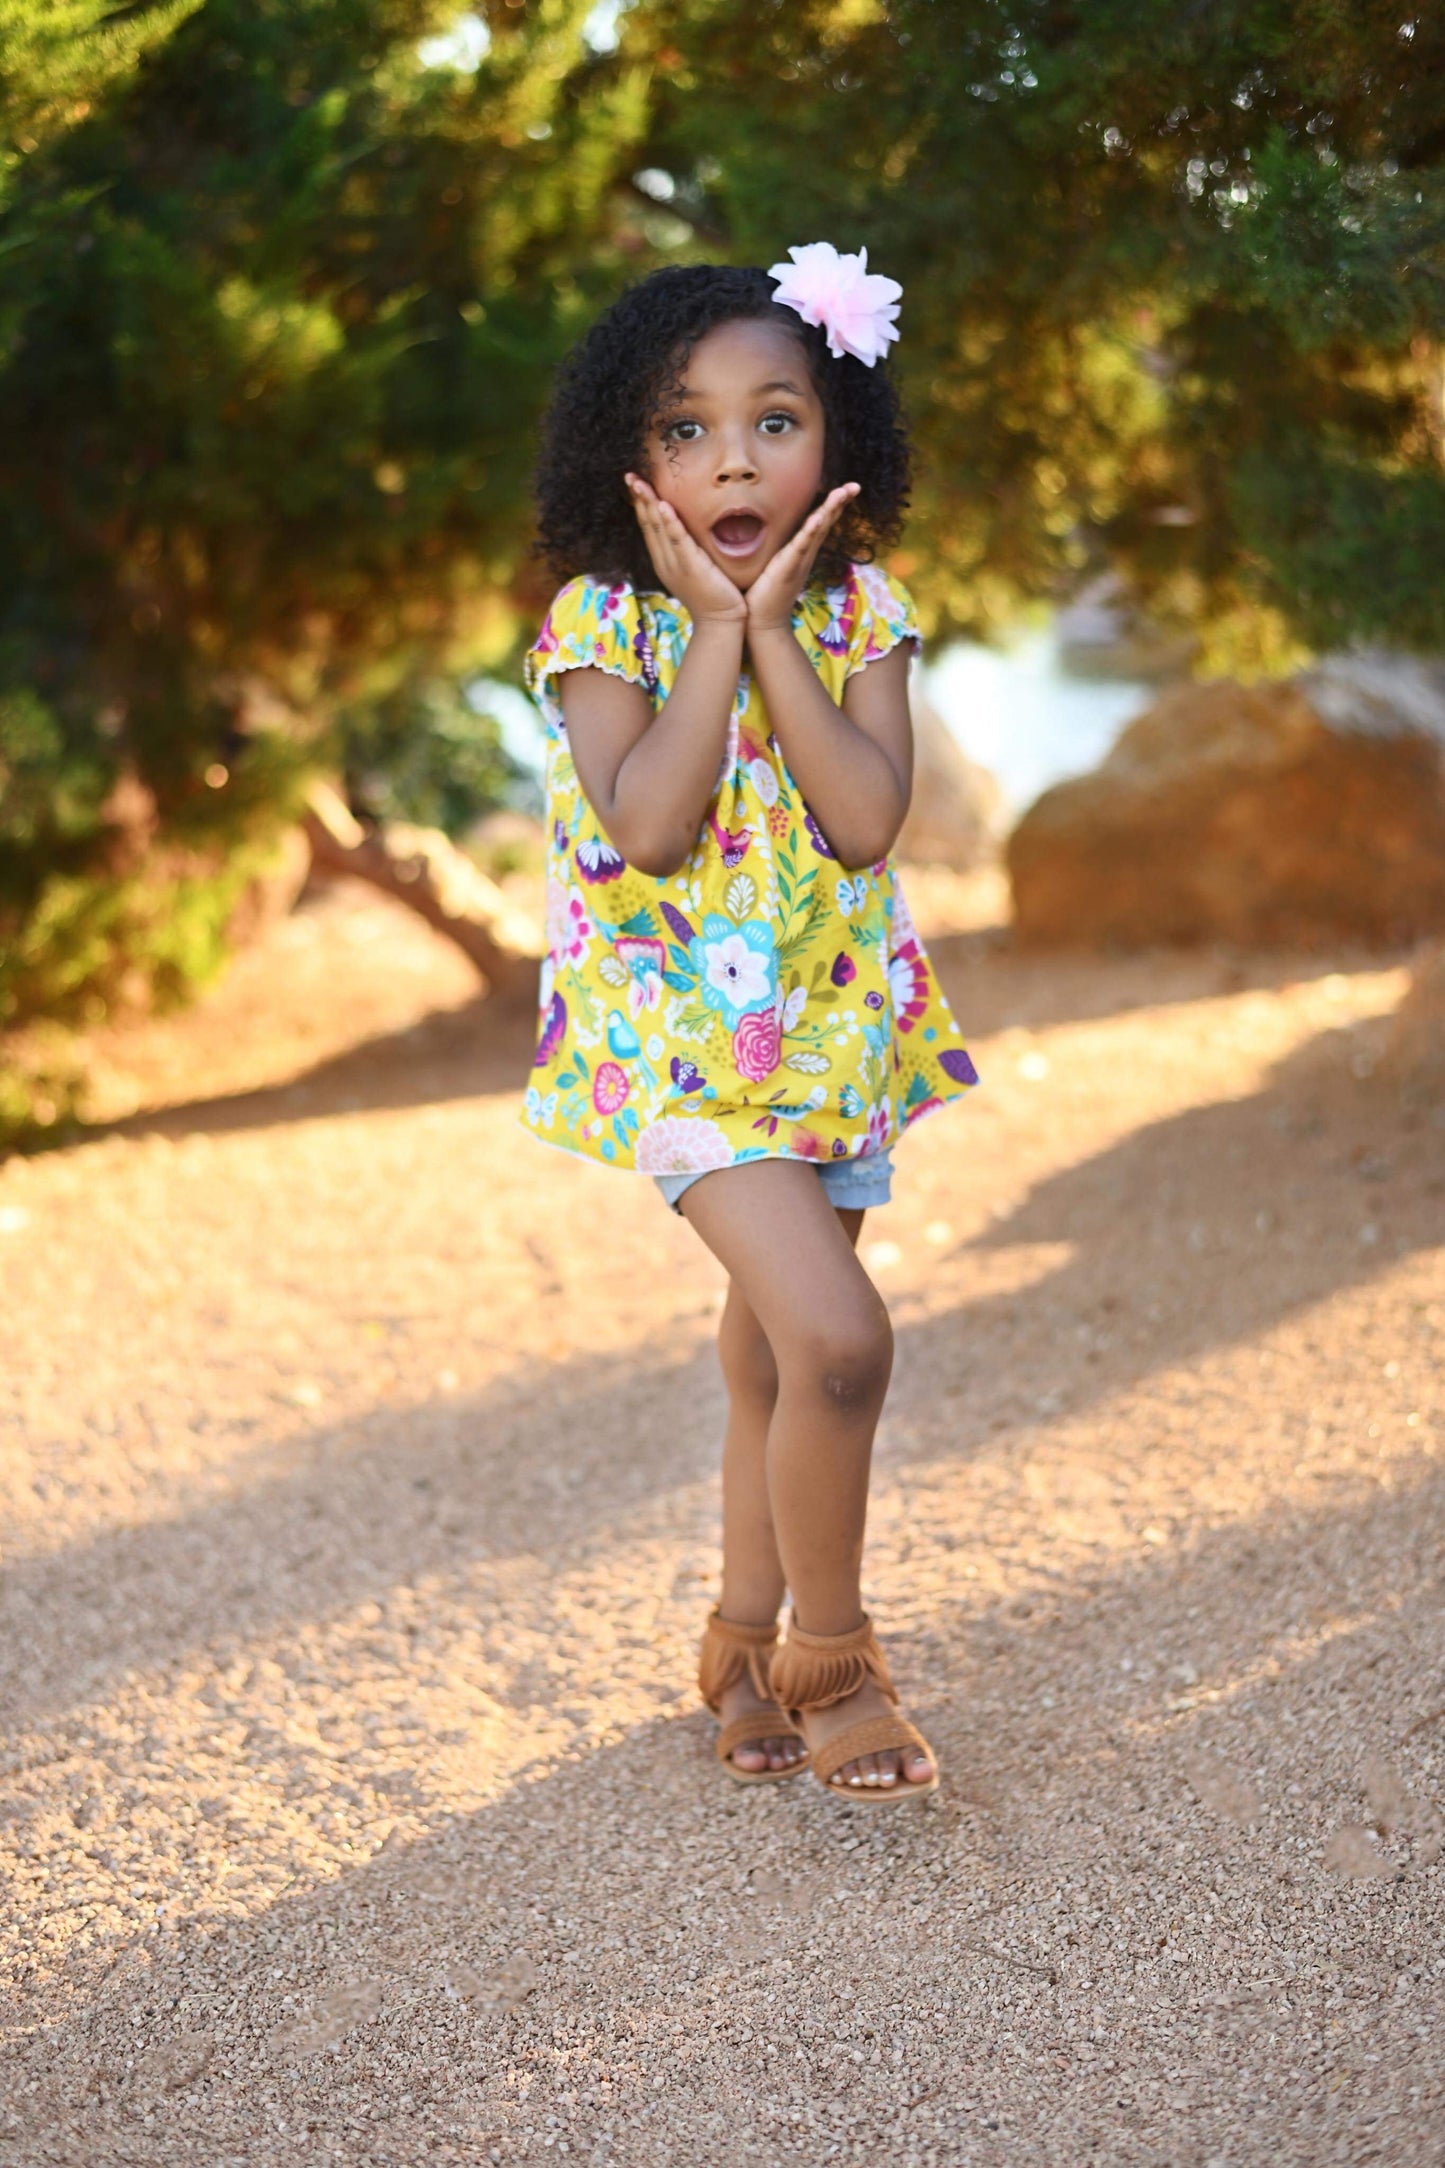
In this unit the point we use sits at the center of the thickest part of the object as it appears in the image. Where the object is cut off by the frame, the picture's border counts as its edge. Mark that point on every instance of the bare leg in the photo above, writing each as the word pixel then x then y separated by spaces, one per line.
pixel 752 1580
pixel 792 1265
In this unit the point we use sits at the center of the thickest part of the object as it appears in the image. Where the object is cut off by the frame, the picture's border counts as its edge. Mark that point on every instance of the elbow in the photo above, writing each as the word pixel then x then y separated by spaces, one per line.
pixel 657 856
pixel 659 864
pixel 863 852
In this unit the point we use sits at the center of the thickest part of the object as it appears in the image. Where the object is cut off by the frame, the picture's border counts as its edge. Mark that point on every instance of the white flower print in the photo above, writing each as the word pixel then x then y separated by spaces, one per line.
pixel 764 779
pixel 740 973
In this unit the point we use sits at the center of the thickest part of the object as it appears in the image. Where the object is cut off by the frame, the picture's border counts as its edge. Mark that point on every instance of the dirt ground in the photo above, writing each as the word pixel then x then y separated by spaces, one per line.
pixel 359 1496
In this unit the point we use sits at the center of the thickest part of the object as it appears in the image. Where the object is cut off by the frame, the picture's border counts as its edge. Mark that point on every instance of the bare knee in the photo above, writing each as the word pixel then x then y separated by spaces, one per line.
pixel 847 1364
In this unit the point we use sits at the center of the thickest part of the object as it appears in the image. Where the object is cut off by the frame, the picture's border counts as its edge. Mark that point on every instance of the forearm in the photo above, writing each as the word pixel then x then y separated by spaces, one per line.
pixel 852 788
pixel 661 789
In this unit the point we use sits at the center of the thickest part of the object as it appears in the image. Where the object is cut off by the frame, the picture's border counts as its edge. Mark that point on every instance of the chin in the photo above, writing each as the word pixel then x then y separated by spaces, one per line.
pixel 743 579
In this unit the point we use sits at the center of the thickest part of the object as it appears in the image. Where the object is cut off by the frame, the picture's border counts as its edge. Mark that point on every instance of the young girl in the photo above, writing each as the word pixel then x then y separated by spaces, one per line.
pixel 735 1001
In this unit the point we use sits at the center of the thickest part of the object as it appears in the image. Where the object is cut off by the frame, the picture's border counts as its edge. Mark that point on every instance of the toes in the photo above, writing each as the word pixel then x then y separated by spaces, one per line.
pixel 884 1772
pixel 869 1771
pixel 767 1754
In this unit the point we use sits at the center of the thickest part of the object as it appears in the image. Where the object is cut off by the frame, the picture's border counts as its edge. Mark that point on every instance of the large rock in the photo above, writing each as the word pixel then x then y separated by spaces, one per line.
pixel 955 814
pixel 1102 634
pixel 1415 1051
pixel 1306 812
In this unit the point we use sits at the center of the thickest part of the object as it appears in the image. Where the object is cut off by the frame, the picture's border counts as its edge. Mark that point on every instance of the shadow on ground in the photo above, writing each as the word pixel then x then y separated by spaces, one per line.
pixel 486 1048
pixel 1117 1936
pixel 1187 1236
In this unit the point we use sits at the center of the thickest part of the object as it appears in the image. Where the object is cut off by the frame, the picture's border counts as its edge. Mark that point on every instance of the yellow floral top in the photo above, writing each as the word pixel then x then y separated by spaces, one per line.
pixel 761 1002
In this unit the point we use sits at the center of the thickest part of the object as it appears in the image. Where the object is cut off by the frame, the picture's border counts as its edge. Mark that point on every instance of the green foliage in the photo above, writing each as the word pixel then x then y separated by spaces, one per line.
pixel 423 753
pixel 1174 278
pixel 59 57
pixel 97 940
pixel 278 305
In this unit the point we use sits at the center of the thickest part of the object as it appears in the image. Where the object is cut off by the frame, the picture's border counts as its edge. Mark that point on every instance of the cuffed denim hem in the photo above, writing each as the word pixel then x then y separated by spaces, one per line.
pixel 852 1185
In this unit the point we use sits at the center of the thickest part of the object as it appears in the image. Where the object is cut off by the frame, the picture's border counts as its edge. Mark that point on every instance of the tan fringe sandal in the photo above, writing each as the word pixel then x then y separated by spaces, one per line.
pixel 813 1671
pixel 730 1652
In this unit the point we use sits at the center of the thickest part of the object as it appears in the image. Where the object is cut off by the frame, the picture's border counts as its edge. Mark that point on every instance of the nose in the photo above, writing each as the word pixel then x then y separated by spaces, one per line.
pixel 734 458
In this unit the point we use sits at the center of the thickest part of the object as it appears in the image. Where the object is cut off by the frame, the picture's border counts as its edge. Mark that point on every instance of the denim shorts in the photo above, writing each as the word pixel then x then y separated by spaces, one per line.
pixel 851 1185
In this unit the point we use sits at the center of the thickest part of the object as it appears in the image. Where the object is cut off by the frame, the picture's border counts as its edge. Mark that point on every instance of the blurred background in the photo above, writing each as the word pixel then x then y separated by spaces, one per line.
pixel 281 291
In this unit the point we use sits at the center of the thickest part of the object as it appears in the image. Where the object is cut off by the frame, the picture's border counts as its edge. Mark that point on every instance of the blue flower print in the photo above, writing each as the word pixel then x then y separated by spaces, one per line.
pixel 736 966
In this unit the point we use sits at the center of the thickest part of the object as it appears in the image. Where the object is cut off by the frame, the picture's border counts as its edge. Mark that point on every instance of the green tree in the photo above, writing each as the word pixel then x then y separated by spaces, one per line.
pixel 1174 281
pixel 278 305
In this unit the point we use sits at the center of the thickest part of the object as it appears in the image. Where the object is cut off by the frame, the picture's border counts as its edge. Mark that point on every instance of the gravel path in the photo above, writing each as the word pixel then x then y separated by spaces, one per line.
pixel 360 1505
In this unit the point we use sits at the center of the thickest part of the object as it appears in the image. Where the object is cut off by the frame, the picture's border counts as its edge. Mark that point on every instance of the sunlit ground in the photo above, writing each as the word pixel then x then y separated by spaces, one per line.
pixel 360 1515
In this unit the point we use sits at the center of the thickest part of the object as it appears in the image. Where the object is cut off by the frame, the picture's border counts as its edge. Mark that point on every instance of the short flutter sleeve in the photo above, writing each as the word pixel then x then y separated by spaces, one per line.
pixel 590 626
pixel 884 617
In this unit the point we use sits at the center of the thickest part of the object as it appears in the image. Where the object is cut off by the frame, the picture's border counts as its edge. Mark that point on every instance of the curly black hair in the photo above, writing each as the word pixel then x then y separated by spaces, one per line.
pixel 620 376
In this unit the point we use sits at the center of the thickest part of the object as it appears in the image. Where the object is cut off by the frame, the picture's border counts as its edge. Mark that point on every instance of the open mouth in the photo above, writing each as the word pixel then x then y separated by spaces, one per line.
pixel 737 534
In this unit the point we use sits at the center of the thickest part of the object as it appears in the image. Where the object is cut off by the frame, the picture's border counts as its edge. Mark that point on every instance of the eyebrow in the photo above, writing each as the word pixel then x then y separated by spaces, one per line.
pixel 781 383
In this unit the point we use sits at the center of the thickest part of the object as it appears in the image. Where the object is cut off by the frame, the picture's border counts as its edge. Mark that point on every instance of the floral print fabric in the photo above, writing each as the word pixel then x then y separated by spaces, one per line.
pixel 761 1002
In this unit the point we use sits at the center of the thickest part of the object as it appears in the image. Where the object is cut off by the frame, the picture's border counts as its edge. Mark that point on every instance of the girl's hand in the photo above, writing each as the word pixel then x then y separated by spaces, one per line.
pixel 777 587
pixel 684 569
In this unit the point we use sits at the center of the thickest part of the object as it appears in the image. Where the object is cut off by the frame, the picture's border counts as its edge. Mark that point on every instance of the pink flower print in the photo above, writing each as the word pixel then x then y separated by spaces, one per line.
pixel 908 984
pixel 682 1144
pixel 807 1146
pixel 844 969
pixel 610 1087
pixel 880 1121
pixel 646 960
pixel 613 603
pixel 569 929
pixel 887 624
pixel 901 926
pixel 757 1045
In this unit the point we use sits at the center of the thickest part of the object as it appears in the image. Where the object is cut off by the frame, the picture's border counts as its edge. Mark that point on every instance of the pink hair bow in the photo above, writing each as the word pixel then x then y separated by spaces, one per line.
pixel 855 306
